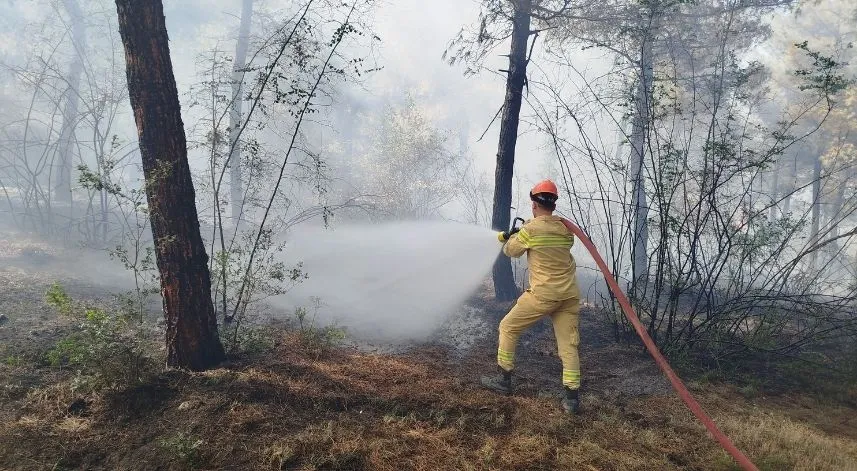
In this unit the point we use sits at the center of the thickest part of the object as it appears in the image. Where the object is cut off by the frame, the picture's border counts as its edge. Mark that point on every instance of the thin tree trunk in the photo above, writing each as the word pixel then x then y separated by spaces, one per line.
pixel 191 337
pixel 854 268
pixel 838 203
pixel 235 176
pixel 639 203
pixel 816 211
pixel 787 201
pixel 463 135
pixel 348 131
pixel 836 220
pixel 775 187
pixel 62 189
pixel 504 281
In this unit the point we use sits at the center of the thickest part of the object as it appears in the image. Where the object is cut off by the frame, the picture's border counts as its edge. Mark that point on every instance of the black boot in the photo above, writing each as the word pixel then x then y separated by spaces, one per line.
pixel 502 382
pixel 571 401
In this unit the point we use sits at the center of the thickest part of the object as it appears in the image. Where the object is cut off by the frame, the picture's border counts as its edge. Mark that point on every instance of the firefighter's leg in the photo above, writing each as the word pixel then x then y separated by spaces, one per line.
pixel 565 328
pixel 524 314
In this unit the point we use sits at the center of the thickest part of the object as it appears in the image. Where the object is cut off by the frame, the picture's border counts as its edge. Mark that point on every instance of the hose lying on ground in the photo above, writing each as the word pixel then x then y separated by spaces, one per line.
pixel 676 382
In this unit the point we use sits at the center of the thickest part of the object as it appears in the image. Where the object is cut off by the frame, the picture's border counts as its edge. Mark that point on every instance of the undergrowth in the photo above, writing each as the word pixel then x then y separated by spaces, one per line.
pixel 317 338
pixel 292 400
pixel 104 348
pixel 312 337
pixel 185 448
pixel 292 409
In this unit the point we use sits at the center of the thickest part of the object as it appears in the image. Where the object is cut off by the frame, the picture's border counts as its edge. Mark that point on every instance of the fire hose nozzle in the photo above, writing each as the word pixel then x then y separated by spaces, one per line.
pixel 504 236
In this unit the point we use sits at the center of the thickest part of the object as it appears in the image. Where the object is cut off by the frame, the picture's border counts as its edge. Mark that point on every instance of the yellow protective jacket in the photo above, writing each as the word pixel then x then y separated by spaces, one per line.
pixel 547 243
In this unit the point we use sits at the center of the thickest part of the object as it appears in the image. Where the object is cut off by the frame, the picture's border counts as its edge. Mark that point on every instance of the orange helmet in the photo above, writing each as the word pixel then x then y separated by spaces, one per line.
pixel 545 193
pixel 545 186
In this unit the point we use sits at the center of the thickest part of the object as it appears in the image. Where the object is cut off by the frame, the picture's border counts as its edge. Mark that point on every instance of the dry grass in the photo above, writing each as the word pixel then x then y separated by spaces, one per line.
pixel 353 411
pixel 295 408
pixel 785 444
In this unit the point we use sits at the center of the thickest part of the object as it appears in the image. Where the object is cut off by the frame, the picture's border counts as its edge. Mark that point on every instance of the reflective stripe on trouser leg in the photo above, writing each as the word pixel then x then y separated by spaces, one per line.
pixel 571 379
pixel 523 314
pixel 565 327
pixel 505 359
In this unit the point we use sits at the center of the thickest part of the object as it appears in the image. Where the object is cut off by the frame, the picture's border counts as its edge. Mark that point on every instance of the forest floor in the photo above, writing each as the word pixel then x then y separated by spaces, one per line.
pixel 290 401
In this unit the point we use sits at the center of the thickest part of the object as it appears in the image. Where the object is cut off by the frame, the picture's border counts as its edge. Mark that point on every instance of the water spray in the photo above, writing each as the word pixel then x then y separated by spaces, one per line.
pixel 394 282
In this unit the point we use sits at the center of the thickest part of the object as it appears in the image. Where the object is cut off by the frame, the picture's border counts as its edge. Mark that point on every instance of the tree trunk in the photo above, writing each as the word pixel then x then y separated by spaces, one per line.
pixel 463 134
pixel 816 211
pixel 787 201
pixel 504 281
pixel 639 135
pixel 835 211
pixel 62 189
pixel 192 339
pixel 836 220
pixel 775 187
pixel 235 177
pixel 349 118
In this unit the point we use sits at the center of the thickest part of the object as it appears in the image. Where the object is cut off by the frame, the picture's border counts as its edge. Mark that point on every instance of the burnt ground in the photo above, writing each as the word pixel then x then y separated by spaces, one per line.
pixel 293 404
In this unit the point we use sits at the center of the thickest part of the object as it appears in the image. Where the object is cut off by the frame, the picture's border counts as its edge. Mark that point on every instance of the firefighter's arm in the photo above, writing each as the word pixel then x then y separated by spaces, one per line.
pixel 517 244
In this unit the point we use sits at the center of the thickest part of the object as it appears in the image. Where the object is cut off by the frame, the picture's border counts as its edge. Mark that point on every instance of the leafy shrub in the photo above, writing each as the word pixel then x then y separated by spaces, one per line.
pixel 249 340
pixel 318 338
pixel 105 348
pixel 185 447
pixel 57 298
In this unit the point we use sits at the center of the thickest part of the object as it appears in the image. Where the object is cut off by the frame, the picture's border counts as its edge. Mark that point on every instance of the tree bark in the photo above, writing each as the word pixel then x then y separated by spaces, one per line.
pixel 62 189
pixel 835 211
pixel 235 176
pixel 191 337
pixel 787 201
pixel 816 211
pixel 463 134
pixel 836 219
pixel 504 281
pixel 639 135
pixel 775 191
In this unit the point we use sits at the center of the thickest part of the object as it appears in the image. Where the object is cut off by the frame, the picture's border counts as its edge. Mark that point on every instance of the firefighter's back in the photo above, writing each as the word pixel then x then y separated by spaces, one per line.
pixel 551 265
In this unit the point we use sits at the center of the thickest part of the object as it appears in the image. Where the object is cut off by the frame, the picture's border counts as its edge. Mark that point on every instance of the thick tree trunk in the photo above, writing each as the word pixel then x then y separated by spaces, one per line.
pixel 62 188
pixel 235 177
pixel 504 281
pixel 192 339
pixel 639 203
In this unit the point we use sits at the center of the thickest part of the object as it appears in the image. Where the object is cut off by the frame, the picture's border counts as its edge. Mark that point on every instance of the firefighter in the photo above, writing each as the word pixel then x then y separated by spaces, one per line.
pixel 552 292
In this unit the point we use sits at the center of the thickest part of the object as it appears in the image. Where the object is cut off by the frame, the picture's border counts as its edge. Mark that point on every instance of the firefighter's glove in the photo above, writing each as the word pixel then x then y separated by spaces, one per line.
pixel 504 236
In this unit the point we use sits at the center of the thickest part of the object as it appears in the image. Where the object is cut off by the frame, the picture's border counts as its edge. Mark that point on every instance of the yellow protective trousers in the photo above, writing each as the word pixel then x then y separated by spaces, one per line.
pixel 527 311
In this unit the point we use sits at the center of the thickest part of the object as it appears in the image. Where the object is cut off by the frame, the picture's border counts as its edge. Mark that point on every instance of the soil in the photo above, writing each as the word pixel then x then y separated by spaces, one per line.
pixel 297 405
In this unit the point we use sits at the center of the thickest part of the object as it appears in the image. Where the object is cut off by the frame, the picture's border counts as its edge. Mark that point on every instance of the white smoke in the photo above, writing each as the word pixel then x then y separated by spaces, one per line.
pixel 390 282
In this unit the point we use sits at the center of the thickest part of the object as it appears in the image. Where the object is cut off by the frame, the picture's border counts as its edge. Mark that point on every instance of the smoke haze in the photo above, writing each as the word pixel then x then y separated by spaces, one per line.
pixel 394 281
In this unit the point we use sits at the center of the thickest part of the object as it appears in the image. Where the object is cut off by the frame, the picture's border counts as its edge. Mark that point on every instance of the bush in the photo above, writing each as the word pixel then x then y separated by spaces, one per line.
pixel 185 448
pixel 104 348
pixel 314 337
pixel 248 340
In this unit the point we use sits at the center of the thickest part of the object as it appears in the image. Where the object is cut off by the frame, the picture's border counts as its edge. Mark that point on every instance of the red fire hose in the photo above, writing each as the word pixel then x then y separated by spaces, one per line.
pixel 676 382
